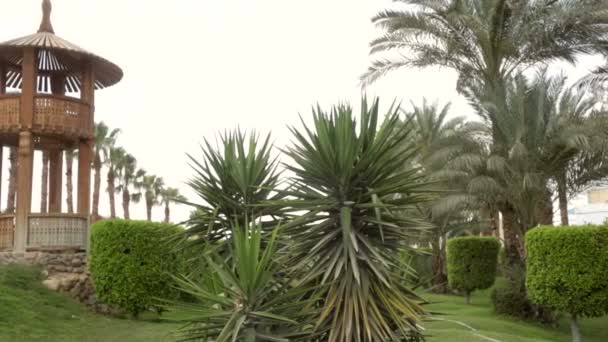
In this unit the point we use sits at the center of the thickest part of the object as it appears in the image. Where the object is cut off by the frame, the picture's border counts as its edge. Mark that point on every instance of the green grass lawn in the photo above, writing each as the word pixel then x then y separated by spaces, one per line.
pixel 29 312
pixel 456 316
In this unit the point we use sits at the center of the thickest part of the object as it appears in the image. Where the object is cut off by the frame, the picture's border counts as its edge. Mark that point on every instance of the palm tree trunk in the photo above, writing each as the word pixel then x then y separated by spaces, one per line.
pixel 126 199
pixel 495 223
pixel 96 185
pixel 562 194
pixel 167 212
pixel 149 210
pixel 69 161
pixel 12 181
pixel 112 193
pixel 545 210
pixel 44 194
pixel 440 279
pixel 511 236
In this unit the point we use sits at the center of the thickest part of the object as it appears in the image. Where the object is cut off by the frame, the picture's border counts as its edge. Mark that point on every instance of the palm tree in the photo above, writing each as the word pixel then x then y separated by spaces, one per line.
pixel 115 157
pixel 438 140
pixel 596 79
pixel 129 176
pixel 486 41
pixel 12 181
pixel 169 195
pixel 152 187
pixel 104 140
pixel 524 146
pixel 44 194
pixel 349 181
pixel 577 141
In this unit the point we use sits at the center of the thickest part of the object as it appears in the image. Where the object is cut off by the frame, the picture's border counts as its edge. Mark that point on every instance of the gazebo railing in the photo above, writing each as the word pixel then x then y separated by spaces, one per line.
pixel 7 232
pixel 57 231
pixel 61 114
pixel 53 114
pixel 10 106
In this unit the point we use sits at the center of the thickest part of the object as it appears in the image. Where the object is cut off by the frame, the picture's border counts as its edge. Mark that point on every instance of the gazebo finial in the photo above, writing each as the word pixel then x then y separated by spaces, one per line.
pixel 45 25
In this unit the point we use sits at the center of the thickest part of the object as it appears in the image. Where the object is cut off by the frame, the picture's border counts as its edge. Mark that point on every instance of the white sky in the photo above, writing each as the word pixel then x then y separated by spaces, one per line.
pixel 196 67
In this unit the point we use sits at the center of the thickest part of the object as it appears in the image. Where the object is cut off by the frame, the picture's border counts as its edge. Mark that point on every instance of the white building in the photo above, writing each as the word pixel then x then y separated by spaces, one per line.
pixel 590 207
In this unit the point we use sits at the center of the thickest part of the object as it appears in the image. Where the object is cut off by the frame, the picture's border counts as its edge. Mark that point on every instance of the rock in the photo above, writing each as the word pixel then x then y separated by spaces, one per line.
pixel 52 284
pixel 75 292
pixel 59 268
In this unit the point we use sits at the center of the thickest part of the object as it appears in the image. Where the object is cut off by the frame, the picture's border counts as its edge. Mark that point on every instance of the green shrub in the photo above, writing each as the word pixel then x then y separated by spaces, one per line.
pixel 131 263
pixel 567 270
pixel 509 297
pixel 472 263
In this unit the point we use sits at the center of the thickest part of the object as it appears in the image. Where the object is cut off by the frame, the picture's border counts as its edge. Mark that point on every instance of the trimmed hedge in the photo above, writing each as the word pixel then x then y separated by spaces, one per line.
pixel 472 263
pixel 567 269
pixel 131 263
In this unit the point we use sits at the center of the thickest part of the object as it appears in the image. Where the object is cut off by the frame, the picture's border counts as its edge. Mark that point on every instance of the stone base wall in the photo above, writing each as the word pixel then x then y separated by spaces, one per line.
pixel 51 262
pixel 61 271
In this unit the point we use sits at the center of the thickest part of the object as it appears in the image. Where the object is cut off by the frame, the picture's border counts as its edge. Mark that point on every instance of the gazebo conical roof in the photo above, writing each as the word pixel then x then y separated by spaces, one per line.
pixel 55 56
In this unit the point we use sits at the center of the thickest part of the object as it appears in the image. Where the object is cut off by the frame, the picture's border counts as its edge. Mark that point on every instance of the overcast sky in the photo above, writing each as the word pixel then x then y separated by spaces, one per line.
pixel 197 67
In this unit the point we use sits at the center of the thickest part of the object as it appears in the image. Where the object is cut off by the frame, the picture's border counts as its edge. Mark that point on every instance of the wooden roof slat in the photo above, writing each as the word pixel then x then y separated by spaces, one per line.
pixel 57 54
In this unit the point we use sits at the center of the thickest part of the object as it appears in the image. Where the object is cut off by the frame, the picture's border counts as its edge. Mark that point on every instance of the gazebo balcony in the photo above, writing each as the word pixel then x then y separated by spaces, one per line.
pixel 53 115
pixel 47 232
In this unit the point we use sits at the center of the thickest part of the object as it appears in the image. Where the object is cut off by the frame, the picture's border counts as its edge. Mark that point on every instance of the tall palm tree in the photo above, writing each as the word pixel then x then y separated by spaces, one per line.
pixel 113 162
pixel 169 195
pixel 104 140
pixel 486 41
pixel 44 193
pixel 152 187
pixel 578 136
pixel 596 79
pixel 524 146
pixel 12 180
pixel 69 185
pixel 129 177
pixel 438 140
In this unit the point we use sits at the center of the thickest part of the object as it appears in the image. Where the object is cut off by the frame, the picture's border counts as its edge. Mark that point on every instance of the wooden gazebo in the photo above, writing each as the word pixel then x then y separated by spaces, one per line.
pixel 47 87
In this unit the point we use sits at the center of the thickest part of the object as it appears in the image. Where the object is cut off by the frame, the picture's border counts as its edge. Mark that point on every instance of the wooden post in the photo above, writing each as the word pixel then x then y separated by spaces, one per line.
pixel 1 165
pixel 26 149
pixel 2 79
pixel 84 178
pixel 2 92
pixel 58 84
pixel 28 88
pixel 24 189
pixel 87 93
pixel 85 152
pixel 55 180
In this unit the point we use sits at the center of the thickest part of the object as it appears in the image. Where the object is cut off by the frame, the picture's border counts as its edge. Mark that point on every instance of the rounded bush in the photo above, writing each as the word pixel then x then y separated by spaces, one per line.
pixel 567 269
pixel 131 263
pixel 510 299
pixel 472 263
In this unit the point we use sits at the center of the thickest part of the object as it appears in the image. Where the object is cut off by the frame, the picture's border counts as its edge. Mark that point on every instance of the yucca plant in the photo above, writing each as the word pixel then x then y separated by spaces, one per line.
pixel 349 182
pixel 232 180
pixel 244 298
